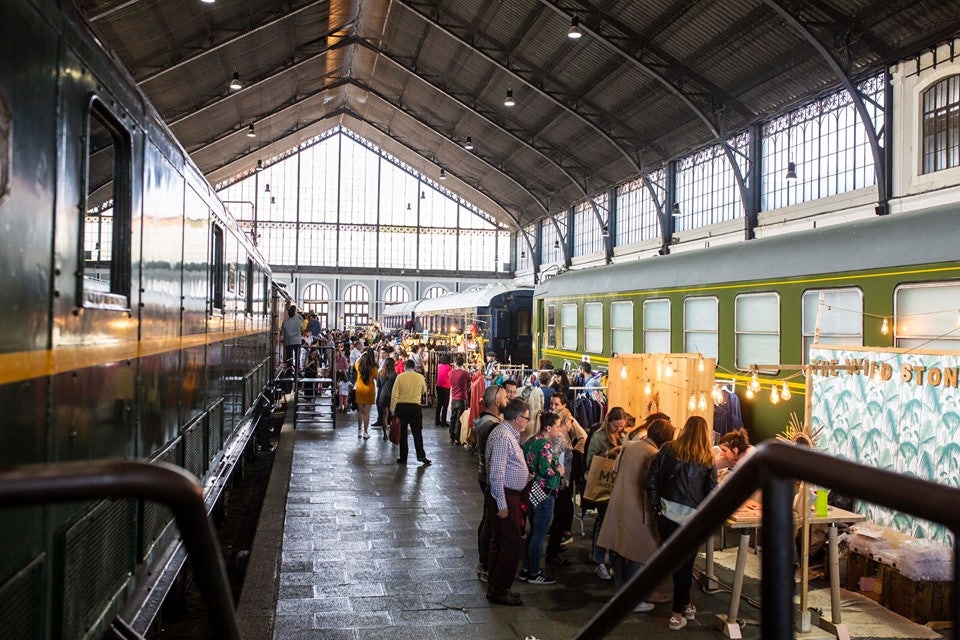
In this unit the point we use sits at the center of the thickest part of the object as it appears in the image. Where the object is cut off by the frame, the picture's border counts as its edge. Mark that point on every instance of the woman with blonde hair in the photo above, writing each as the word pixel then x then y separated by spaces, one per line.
pixel 605 442
pixel 681 476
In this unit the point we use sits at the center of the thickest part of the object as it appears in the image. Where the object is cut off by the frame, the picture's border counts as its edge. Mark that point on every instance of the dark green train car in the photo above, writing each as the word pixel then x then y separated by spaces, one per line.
pixel 755 307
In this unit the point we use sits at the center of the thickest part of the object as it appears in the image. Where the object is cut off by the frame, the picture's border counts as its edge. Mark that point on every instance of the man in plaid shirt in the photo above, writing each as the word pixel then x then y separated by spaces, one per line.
pixel 508 476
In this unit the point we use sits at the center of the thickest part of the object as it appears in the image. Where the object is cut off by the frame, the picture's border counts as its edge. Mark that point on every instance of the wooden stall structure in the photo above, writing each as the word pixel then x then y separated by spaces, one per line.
pixel 677 384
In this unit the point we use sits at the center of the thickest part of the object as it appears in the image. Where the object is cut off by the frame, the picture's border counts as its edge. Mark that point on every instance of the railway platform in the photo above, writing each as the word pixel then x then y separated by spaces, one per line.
pixel 353 546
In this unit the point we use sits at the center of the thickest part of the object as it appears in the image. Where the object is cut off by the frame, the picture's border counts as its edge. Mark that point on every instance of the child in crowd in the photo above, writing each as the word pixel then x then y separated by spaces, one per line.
pixel 343 390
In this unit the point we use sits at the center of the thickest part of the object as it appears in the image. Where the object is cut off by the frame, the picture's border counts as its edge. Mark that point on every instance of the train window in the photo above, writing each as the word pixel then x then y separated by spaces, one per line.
pixel 757 330
pixel 656 326
pixel 216 268
pixel 105 236
pixel 621 327
pixel 700 326
pixel 840 317
pixel 941 127
pixel 925 315
pixel 551 325
pixel 593 327
pixel 568 326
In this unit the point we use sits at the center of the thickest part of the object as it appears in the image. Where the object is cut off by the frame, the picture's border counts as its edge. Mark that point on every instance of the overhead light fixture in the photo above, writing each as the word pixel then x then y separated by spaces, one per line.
pixel 250 132
pixel 273 200
pixel 443 174
pixel 207 1
pixel 574 33
pixel 259 164
pixel 509 101
pixel 675 212
pixel 266 189
pixel 523 254
pixel 235 82
pixel 423 195
pixel 408 206
pixel 605 232
pixel 791 171
pixel 469 144
pixel 556 244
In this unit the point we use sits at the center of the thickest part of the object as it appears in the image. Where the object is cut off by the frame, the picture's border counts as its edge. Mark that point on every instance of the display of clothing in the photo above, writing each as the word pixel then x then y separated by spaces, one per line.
pixel 726 415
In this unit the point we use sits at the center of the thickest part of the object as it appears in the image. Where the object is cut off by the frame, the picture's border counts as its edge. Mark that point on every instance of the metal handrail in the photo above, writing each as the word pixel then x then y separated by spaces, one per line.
pixel 773 468
pixel 31 485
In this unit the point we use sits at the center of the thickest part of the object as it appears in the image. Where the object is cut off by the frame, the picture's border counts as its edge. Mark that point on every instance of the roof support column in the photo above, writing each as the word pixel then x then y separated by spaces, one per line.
pixel 665 214
pixel 752 210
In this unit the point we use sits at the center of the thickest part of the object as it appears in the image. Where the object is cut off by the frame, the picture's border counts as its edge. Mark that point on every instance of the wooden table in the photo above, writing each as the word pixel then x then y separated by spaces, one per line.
pixel 750 518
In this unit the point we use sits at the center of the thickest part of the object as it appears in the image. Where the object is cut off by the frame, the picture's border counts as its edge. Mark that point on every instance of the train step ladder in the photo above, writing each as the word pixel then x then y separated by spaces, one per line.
pixel 316 396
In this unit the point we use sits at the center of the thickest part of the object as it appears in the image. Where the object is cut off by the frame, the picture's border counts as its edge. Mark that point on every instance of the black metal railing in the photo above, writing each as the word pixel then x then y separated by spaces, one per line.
pixel 32 485
pixel 774 467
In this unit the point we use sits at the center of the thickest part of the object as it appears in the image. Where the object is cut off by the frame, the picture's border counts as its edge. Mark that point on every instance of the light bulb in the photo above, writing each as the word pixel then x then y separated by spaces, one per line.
pixel 646 388
pixel 755 383
pixel 693 402
pixel 702 402
pixel 623 372
pixel 774 394
pixel 749 393
pixel 785 394
pixel 668 371
pixel 885 327
pixel 700 363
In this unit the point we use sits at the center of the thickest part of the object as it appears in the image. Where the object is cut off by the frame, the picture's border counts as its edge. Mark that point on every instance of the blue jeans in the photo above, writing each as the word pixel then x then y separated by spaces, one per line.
pixel 541 516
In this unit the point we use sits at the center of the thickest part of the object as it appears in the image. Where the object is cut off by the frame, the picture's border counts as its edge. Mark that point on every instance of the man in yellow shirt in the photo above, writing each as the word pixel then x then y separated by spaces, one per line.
pixel 408 388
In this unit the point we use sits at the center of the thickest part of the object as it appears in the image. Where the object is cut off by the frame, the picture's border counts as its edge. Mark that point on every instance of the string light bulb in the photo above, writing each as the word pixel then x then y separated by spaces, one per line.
pixel 623 372
pixel 774 394
pixel 693 402
pixel 702 402
pixel 668 370
pixel 749 392
pixel 647 390
pixel 785 393
pixel 700 366
pixel 885 327
pixel 755 383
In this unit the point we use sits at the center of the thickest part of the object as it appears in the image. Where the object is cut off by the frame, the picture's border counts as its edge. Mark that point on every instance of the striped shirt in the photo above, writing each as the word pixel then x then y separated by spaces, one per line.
pixel 505 463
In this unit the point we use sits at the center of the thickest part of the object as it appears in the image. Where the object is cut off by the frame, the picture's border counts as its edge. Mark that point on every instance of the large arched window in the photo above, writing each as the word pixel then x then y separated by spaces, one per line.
pixel 396 293
pixel 941 125
pixel 356 306
pixel 435 292
pixel 316 298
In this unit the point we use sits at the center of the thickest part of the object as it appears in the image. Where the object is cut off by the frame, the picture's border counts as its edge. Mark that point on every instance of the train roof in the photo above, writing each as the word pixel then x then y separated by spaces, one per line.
pixel 923 237
pixel 400 308
pixel 480 296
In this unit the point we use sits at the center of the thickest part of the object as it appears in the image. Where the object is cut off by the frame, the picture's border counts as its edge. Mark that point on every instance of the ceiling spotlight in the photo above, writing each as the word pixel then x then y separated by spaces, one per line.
pixel 273 200
pixel 605 232
pixel 469 144
pixel 266 189
pixel 791 172
pixel 556 244
pixel 408 206
pixel 250 132
pixel 675 212
pixel 423 195
pixel 207 1
pixel 574 33
pixel 259 164
pixel 523 254
pixel 443 174
pixel 509 101
pixel 235 83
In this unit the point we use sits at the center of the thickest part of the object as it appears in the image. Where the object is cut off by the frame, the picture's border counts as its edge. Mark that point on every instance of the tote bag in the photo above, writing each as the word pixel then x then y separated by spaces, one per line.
pixel 600 479
pixel 395 430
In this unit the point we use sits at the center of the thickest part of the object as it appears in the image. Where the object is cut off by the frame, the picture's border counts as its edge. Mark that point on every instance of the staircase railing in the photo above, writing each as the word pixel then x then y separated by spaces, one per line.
pixel 774 467
pixel 32 485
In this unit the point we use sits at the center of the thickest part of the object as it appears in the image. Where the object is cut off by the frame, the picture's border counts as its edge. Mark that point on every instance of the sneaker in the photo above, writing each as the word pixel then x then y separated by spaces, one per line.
pixel 482 574
pixel 366 436
pixel 644 607
pixel 523 576
pixel 602 573
pixel 425 462
pixel 690 613
pixel 540 579
pixel 677 622
pixel 566 541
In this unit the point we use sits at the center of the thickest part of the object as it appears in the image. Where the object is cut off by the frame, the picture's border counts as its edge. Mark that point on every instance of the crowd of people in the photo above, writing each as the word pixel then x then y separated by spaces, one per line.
pixel 534 456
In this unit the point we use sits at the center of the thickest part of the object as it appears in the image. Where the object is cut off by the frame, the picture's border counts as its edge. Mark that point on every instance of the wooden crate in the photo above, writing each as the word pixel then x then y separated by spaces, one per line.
pixel 858 566
pixel 629 375
pixel 921 602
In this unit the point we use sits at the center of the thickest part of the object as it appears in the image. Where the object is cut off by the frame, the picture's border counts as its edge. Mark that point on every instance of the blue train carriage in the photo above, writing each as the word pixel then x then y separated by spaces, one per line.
pixel 501 312
pixel 886 281
pixel 136 323
pixel 400 316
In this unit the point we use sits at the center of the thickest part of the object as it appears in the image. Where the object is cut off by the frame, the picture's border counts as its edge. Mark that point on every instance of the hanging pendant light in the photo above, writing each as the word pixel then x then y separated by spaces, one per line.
pixel 884 327
pixel 469 144
pixel 259 164
pixel 574 33
pixel 235 82
pixel 647 388
pixel 509 101
pixel 443 174
pixel 791 171
pixel 250 132
pixel 785 393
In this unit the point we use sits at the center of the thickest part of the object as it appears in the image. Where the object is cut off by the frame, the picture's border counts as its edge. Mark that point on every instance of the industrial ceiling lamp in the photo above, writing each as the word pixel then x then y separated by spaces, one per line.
pixel 273 200
pixel 423 195
pixel 574 33
pixel 675 212
pixel 523 254
pixel 606 232
pixel 259 164
pixel 509 101
pixel 791 171
pixel 556 244
pixel 408 206
pixel 266 189
pixel 443 174
pixel 235 82
pixel 250 132
pixel 469 144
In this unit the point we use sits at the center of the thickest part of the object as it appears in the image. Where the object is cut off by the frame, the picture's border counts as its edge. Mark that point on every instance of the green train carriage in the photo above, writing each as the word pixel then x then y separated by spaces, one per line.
pixel 891 281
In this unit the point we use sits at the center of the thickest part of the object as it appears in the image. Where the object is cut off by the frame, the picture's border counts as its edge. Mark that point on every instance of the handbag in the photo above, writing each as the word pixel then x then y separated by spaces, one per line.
pixel 537 494
pixel 600 479
pixel 395 430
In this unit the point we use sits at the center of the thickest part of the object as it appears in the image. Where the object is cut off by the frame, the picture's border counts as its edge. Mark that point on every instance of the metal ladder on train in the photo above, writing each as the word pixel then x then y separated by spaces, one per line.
pixel 315 394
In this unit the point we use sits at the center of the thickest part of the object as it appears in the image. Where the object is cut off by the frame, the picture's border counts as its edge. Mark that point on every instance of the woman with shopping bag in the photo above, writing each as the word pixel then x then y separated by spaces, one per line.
pixel 605 444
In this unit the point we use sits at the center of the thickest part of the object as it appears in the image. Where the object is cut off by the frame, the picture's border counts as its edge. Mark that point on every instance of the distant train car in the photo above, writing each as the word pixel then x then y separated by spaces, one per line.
pixel 501 313
pixel 136 323
pixel 400 316
pixel 887 281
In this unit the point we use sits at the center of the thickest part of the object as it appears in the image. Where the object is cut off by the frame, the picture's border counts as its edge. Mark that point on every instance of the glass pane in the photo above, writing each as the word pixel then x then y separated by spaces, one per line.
pixel 701 342
pixel 656 315
pixel 928 311
pixel 841 315
pixel 568 315
pixel 593 340
pixel 621 315
pixel 621 341
pixel 754 349
pixel 569 336
pixel 700 314
pixel 656 342
pixel 592 314
pixel 758 313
